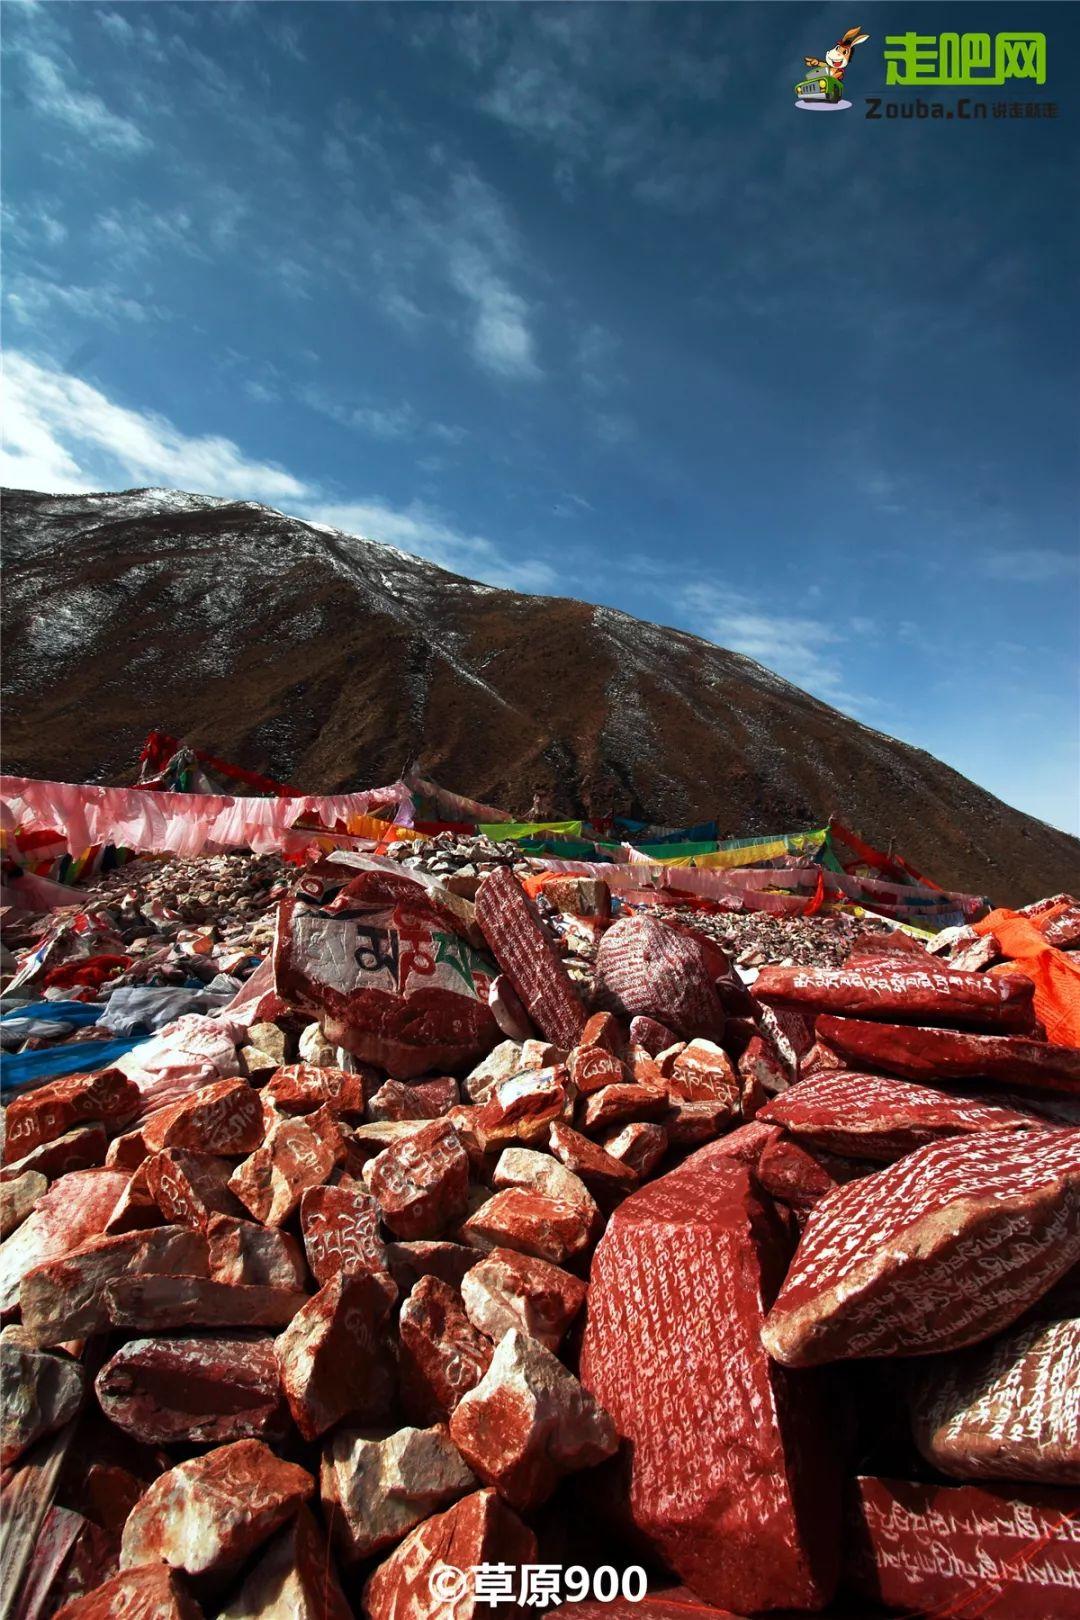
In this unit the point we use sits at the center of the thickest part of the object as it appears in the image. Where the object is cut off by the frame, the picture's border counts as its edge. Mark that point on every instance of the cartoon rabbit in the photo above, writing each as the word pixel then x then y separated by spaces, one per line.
pixel 837 59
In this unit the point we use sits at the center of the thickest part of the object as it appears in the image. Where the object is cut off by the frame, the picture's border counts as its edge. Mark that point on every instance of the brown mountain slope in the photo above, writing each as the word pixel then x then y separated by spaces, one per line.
pixel 332 662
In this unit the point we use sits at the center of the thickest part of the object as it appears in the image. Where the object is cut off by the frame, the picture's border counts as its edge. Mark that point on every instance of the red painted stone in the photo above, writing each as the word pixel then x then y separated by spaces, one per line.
pixel 441 1356
pixel 136 1208
pixel 294 1579
pixel 1064 931
pixel 421 1184
pixel 198 1391
pixel 819 1059
pixel 242 1252
pixel 420 1099
pixel 650 1034
pixel 38 1394
pixel 150 1593
pixel 532 1223
pixel 761 1065
pixel 189 1188
pixel 389 968
pixel 54 1109
pixel 603 1030
pixel 18 1198
pixel 521 1109
pixel 509 1290
pixel 639 1145
pixel 74 1209
pixel 94 1558
pixel 592 1068
pixel 78 1149
pixel 597 1168
pixel 528 1423
pixel 991 1552
pixel 206 1516
pixel 942 1249
pixel 340 1226
pixel 333 1357
pixel 644 968
pixel 872 1117
pixel 126 1152
pixel 158 1304
pixel 542 1173
pixel 703 1072
pixel 65 1299
pixel 733 1465
pixel 897 992
pixel 617 1104
pixel 377 1487
pixel 301 1088
pixel 408 1262
pixel 296 1155
pixel 794 1175
pixel 523 951
pixel 225 1118
pixel 943 1055
pixel 1009 1409
pixel 480 1529
pixel 688 1123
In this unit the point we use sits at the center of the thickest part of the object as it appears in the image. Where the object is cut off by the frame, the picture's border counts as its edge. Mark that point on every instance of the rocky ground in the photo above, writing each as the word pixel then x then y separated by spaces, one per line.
pixel 486 1240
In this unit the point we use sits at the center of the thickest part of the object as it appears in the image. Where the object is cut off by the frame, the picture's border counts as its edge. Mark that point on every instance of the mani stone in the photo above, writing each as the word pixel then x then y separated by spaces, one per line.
pixel 944 1248
pixel 517 940
pixel 195 1391
pixel 206 1516
pixel 333 1358
pixel 224 1117
pixel 873 1116
pixel 340 1227
pixel 731 1469
pixel 1005 1410
pixel 645 969
pixel 509 1290
pixel 894 992
pixel 942 1055
pixel 17 1199
pixel 993 1551
pixel 52 1110
pixel 243 1252
pixel 66 1299
pixel 160 1304
pixel 75 1208
pixel 293 1579
pixel 301 1088
pixel 38 1394
pixel 421 1183
pixel 377 1486
pixel 480 1529
pixel 149 1593
pixel 296 1154
pixel 441 1355
pixel 533 1223
pixel 78 1149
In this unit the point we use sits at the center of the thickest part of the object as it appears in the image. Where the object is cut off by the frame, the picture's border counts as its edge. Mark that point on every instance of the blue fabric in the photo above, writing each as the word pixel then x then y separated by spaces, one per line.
pixel 21 1071
pixel 65 1012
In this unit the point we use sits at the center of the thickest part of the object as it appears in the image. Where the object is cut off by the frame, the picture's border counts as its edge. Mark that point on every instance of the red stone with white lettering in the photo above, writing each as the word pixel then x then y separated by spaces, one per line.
pixel 523 951
pixel 81 1148
pixel 301 1088
pixel 296 1155
pixel 528 1422
pixel 224 1117
pixel 420 1099
pixel 294 1579
pixel 732 1470
pixel 334 1358
pixel 261 1256
pixel 65 1299
pixel 189 1188
pixel 941 1055
pixel 75 1208
pixel 640 1145
pixel 198 1391
pixel 421 1183
pixel 480 1529
pixel 650 1034
pixel 872 1116
pixel 703 1072
pixel 533 1223
pixel 377 1487
pixel 899 990
pixel 340 1226
pixel 794 1175
pixel 594 1067
pixel 644 968
pixel 206 1516
pixel 617 1104
pixel 944 1248
pixel 598 1169
pixel 522 1108
pixel 510 1290
pixel 150 1593
pixel 760 1065
pixel 989 1552
pixel 441 1355
pixel 1009 1409
pixel 54 1109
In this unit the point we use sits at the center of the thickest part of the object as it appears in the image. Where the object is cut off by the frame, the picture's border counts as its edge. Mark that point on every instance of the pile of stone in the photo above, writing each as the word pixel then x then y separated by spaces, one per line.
pixel 458 1267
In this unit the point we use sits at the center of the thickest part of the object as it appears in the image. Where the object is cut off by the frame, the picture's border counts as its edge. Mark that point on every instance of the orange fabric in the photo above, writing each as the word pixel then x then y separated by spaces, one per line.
pixel 1055 974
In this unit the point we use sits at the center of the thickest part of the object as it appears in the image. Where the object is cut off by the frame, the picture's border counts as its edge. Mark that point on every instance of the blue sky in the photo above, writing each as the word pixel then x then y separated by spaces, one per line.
pixel 572 299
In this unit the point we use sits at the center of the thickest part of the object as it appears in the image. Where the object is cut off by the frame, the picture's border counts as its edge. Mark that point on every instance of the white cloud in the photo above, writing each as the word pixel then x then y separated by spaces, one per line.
pixel 80 110
pixel 1034 565
pixel 62 434
pixel 802 649
pixel 417 528
pixel 30 298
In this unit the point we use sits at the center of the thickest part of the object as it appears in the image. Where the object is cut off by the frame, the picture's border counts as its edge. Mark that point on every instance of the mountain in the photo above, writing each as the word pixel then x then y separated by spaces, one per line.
pixel 332 662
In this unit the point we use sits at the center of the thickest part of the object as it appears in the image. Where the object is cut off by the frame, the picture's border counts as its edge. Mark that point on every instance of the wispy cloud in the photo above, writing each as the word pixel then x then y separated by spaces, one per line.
pixel 1032 565
pixel 63 434
pixel 54 92
pixel 417 528
pixel 30 298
